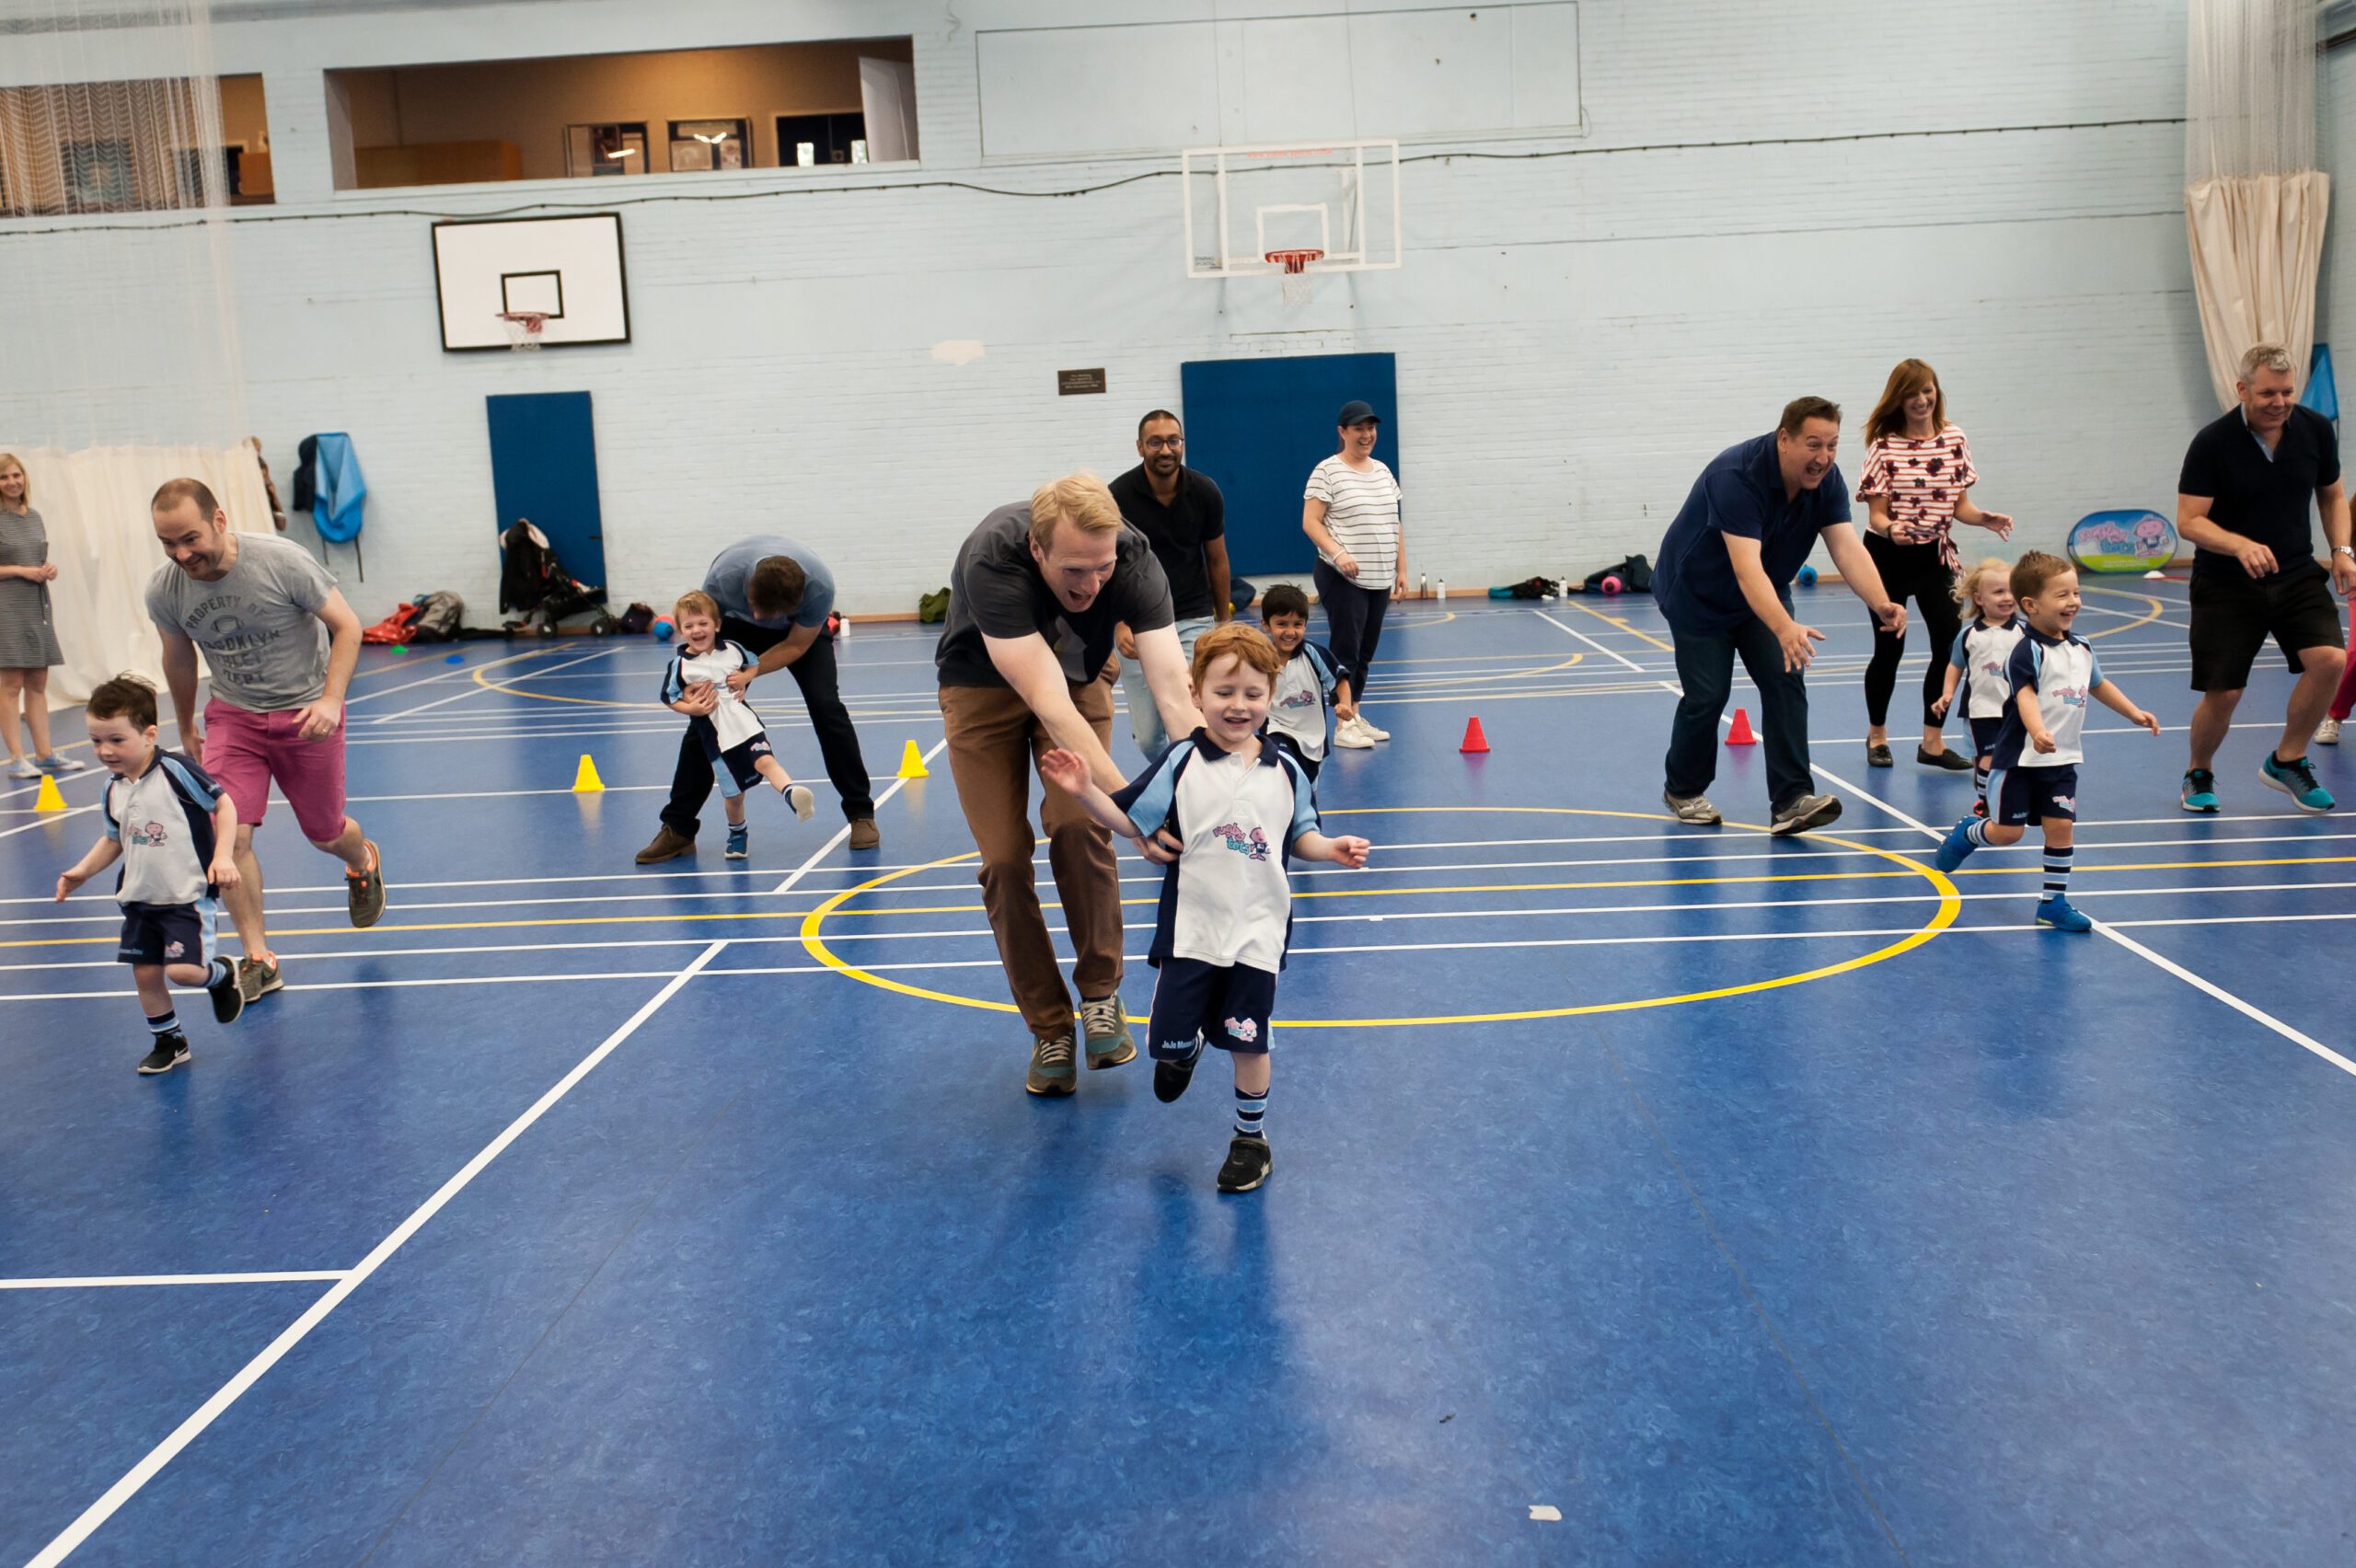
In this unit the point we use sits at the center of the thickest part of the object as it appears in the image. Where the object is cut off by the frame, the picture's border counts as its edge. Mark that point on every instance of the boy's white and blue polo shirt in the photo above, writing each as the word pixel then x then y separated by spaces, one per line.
pixel 1226 899
pixel 1983 654
pixel 1301 707
pixel 2063 672
pixel 163 819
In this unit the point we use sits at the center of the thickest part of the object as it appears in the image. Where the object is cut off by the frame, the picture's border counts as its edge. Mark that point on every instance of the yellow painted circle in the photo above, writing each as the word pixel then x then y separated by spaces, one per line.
pixel 1950 905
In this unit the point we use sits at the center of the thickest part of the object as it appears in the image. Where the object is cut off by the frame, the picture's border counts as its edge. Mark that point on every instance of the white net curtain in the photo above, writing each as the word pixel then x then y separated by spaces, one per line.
pixel 2253 201
pixel 114 180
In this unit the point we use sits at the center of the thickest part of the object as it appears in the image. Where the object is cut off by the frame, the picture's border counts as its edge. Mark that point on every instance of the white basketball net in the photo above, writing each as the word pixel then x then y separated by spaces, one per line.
pixel 522 328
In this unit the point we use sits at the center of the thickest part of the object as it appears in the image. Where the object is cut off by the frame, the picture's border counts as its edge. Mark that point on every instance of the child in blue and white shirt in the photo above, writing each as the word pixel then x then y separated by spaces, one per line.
pixel 174 830
pixel 1979 664
pixel 696 683
pixel 2034 768
pixel 1311 689
pixel 1235 805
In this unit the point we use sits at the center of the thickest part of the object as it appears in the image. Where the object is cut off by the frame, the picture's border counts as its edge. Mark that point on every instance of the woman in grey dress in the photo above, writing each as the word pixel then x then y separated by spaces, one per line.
pixel 28 640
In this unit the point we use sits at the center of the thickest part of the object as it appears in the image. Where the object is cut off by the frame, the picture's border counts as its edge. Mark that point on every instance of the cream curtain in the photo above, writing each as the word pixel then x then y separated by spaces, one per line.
pixel 2256 247
pixel 2254 199
pixel 94 504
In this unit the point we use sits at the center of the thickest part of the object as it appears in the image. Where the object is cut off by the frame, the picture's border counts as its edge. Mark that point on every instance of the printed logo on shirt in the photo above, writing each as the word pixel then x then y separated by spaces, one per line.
pixel 1243 1029
pixel 152 834
pixel 1252 846
pixel 2070 697
pixel 1305 697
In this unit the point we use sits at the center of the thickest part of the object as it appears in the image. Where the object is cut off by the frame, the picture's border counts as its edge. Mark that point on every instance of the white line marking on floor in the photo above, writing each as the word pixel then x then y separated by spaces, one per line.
pixel 110 1282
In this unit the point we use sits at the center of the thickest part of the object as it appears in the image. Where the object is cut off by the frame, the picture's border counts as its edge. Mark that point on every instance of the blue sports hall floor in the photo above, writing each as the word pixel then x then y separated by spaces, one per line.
pixel 1643 1193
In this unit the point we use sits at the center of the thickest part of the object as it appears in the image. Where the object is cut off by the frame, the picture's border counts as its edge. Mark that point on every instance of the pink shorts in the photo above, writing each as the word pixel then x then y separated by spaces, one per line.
pixel 246 751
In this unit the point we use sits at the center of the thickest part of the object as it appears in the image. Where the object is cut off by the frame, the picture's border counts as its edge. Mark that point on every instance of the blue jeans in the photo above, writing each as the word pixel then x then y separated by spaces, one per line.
pixel 1706 671
pixel 1145 715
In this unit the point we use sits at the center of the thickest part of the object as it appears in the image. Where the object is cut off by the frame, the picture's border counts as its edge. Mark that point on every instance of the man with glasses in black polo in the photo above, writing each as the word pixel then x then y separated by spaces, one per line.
pixel 1184 517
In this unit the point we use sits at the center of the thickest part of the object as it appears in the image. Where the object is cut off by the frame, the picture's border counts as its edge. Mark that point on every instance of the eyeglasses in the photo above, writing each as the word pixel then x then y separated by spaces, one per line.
pixel 1164 442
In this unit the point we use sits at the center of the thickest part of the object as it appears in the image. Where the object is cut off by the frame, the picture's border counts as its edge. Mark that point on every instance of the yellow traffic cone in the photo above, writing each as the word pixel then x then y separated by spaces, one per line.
pixel 47 799
pixel 584 779
pixel 912 762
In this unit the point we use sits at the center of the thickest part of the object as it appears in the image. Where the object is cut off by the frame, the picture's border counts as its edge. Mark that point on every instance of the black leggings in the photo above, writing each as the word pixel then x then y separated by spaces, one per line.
pixel 1353 624
pixel 1916 570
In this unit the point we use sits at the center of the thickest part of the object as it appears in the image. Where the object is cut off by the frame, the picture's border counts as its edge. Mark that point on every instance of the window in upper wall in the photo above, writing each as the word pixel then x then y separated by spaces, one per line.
pixel 672 113
pixel 130 146
pixel 615 148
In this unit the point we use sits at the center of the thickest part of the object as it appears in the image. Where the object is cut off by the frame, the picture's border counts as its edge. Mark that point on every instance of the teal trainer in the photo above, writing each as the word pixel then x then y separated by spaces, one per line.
pixel 1107 1032
pixel 2296 779
pixel 1050 1071
pixel 2059 914
pixel 2199 791
pixel 1956 846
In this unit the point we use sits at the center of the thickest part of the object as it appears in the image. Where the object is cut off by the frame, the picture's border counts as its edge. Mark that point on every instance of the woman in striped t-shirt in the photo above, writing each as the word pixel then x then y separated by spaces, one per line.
pixel 1918 469
pixel 1350 512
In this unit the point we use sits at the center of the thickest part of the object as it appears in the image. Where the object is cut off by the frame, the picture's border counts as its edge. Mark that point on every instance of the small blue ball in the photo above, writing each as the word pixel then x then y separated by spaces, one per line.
pixel 663 629
pixel 1808 577
pixel 456 659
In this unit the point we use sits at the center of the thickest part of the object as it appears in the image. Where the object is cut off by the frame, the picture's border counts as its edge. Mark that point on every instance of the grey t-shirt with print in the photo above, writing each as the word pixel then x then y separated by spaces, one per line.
pixel 259 625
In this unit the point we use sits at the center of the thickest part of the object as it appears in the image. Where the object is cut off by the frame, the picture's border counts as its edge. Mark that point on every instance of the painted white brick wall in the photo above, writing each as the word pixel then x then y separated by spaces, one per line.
pixel 1575 335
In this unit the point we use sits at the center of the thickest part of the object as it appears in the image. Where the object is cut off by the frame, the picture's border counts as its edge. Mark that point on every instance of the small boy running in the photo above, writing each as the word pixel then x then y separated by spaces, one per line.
pixel 696 683
pixel 174 830
pixel 1311 689
pixel 2035 768
pixel 1980 663
pixel 1238 804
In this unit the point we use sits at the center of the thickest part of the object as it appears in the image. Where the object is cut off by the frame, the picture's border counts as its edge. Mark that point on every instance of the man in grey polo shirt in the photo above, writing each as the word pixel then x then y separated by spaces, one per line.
pixel 774 598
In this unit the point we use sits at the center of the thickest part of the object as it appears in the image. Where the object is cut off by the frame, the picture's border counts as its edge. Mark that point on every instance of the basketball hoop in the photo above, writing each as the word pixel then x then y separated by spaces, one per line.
pixel 1299 287
pixel 523 327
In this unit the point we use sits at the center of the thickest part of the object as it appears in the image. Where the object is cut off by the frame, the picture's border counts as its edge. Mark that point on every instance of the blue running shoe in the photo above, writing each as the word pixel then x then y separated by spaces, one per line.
pixel 1956 846
pixel 740 842
pixel 2061 915
pixel 2201 792
pixel 2296 779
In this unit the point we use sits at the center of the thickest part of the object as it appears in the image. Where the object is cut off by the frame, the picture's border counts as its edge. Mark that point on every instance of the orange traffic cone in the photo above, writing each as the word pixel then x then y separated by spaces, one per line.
pixel 1474 741
pixel 1741 735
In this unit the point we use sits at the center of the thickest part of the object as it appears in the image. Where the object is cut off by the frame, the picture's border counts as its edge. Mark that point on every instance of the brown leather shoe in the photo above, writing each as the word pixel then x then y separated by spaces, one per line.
pixel 667 846
pixel 863 834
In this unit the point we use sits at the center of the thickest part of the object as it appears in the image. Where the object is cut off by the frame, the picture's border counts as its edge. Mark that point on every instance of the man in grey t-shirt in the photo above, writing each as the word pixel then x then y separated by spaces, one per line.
pixel 774 597
pixel 281 644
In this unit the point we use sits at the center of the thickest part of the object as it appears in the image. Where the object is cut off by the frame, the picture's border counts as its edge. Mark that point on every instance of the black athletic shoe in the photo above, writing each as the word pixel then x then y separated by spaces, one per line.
pixel 1878 755
pixel 170 1051
pixel 1247 1165
pixel 1170 1078
pixel 228 998
pixel 1942 758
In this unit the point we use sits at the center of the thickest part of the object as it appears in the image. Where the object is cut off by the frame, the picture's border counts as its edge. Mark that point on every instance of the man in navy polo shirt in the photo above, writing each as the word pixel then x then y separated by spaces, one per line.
pixel 2242 502
pixel 1724 582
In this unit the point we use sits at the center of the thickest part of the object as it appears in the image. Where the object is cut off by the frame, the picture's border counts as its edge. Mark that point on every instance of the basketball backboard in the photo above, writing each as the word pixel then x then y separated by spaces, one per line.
pixel 567 270
pixel 1340 199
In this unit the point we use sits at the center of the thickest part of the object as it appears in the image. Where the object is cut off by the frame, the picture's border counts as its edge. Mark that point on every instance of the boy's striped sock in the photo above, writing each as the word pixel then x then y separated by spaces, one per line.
pixel 220 972
pixel 168 1024
pixel 1249 1110
pixel 1977 831
pixel 1980 784
pixel 2057 873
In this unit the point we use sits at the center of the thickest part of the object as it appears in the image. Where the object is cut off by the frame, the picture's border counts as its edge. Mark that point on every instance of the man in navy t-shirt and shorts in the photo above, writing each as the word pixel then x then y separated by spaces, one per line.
pixel 1723 583
pixel 2242 502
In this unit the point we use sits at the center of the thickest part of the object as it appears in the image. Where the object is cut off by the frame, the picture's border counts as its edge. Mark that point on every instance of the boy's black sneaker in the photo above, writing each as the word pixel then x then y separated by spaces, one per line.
pixel 228 997
pixel 1170 1078
pixel 1247 1165
pixel 170 1051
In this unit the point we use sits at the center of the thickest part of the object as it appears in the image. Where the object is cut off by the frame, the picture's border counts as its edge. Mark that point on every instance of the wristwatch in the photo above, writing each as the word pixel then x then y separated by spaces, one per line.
pixel 2348 550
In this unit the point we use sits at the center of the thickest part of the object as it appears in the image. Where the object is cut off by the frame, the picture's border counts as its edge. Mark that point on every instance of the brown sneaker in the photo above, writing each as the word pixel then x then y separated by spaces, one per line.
pixel 863 834
pixel 365 892
pixel 667 846
pixel 257 978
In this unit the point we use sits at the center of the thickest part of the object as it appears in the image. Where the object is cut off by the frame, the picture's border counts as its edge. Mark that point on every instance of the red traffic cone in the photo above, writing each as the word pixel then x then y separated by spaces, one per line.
pixel 1474 741
pixel 1741 735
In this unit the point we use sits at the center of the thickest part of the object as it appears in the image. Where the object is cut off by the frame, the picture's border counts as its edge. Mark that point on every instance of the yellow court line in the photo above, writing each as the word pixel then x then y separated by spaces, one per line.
pixel 1950 905
pixel 1624 626
pixel 2158 609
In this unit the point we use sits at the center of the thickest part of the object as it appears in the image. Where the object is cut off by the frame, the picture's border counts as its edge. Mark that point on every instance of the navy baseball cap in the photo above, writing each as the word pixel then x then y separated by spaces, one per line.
pixel 1356 412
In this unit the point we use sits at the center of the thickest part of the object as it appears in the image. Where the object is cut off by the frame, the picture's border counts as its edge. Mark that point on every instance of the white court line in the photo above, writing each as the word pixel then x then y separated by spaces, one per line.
pixel 205 1414
pixel 844 832
pixel 46 820
pixel 109 1282
pixel 477 689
